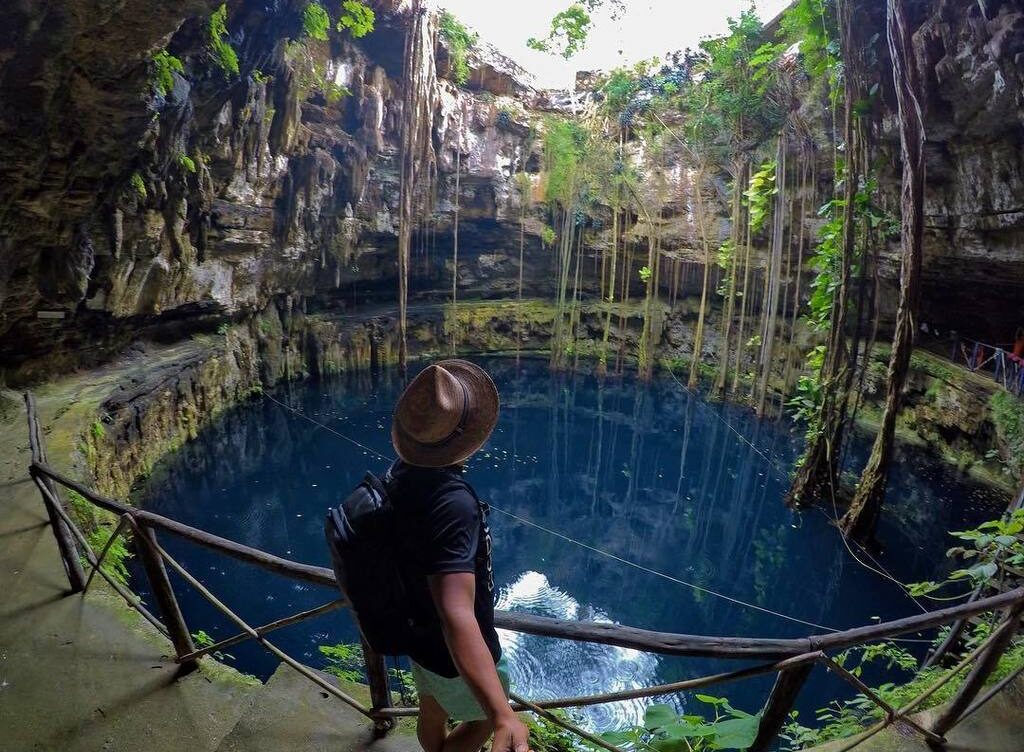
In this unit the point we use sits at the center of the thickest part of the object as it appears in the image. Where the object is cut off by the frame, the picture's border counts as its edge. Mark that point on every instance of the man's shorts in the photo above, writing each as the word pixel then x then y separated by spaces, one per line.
pixel 454 695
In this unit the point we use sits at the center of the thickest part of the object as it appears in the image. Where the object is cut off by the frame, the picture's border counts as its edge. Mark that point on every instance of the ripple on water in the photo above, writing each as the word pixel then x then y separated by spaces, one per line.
pixel 544 669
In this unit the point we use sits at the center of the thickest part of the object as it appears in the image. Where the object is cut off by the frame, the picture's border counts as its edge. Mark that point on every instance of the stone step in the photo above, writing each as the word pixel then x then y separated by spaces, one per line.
pixel 291 713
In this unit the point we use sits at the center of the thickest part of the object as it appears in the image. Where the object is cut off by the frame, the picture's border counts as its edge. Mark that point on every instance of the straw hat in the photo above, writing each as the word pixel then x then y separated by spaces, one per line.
pixel 445 414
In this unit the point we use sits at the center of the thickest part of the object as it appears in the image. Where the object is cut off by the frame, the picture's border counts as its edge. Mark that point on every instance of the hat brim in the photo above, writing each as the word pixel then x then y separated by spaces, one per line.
pixel 480 422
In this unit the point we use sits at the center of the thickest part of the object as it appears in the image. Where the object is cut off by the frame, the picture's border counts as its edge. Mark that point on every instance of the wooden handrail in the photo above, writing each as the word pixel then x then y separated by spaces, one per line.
pixel 52 503
pixel 287 567
pixel 664 643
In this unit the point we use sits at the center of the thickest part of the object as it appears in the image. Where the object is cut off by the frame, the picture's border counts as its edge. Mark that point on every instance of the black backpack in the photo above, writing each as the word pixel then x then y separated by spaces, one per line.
pixel 394 616
pixel 360 537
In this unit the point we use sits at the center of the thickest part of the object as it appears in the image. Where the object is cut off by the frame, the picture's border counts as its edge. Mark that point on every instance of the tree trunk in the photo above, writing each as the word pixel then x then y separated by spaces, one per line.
pixel 862 515
pixel 698 337
pixel 519 293
pixel 817 472
pixel 602 363
pixel 805 183
pixel 744 295
pixel 416 148
pixel 771 304
pixel 455 253
pixel 730 284
pixel 574 310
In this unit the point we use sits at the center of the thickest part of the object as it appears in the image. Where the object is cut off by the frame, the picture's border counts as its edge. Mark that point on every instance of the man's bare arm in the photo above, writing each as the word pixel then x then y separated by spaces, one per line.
pixel 454 596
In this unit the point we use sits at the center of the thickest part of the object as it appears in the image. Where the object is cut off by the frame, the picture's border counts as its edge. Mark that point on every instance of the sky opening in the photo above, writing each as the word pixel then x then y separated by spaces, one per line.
pixel 648 28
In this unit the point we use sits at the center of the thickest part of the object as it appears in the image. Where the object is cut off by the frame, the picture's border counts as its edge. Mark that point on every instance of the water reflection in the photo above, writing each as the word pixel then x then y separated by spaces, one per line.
pixel 553 668
pixel 688 492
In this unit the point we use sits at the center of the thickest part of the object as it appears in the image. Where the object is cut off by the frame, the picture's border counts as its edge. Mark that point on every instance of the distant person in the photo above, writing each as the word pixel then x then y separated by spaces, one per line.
pixel 1018 343
pixel 444 416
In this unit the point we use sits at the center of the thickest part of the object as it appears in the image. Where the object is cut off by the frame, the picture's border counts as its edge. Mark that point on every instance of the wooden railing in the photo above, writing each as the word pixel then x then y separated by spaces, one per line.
pixel 792 660
pixel 997 362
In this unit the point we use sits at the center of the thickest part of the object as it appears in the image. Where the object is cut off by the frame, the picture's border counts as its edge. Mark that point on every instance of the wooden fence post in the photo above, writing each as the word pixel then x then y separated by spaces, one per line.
pixel 380 687
pixel 983 667
pixel 163 593
pixel 787 686
pixel 65 543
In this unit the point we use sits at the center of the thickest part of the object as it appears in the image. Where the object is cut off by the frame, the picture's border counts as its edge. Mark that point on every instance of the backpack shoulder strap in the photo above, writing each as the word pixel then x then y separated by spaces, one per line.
pixel 484 548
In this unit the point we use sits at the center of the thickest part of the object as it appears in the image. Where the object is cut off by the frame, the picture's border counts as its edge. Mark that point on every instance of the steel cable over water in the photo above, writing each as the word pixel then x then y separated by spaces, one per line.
pixel 594 549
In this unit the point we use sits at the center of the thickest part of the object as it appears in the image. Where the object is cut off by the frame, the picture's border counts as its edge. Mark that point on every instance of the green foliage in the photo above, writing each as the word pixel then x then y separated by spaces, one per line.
pixel 344 661
pixel 187 163
pixel 311 76
pixel 986 549
pixel 115 563
pixel 203 640
pixel 646 86
pixel 759 194
pixel 357 17
pixel 335 92
pixel 459 40
pixel 568 32
pixel 827 265
pixel 854 659
pixel 1008 417
pixel 842 719
pixel 98 525
pixel 315 22
pixel 217 41
pixel 828 255
pixel 165 65
pixel 260 77
pixel 619 89
pixel 82 509
pixel 547 736
pixel 547 235
pixel 97 430
pixel 564 144
pixel 735 79
pixel 138 185
pixel 813 24
pixel 929 364
pixel 724 256
pixel 808 398
pixel 645 274
pixel 406 685
pixel 664 730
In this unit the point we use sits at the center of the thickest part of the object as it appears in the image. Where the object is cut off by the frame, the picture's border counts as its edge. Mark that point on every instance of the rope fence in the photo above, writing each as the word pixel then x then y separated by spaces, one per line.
pixel 791 660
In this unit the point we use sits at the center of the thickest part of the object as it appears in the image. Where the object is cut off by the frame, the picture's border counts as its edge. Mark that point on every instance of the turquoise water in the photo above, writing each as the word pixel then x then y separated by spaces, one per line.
pixel 689 492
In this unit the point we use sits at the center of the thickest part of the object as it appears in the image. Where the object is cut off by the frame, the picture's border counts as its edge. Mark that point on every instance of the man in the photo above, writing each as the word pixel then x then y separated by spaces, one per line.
pixel 444 416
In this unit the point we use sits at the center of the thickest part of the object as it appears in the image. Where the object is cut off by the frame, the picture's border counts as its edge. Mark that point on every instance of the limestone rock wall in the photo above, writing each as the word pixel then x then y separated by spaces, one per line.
pixel 128 207
pixel 972 58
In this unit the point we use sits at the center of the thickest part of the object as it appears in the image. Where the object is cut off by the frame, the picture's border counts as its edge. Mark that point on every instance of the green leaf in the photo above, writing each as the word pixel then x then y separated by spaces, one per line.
pixel 736 733
pixel 357 17
pixel 689 730
pixel 618 738
pixel 659 715
pixel 985 571
pixel 670 745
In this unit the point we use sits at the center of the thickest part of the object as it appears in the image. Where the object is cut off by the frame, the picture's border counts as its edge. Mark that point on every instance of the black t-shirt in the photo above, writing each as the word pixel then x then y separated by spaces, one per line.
pixel 441 529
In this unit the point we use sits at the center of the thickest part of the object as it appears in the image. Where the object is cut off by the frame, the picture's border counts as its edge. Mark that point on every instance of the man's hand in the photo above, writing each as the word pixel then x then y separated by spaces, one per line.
pixel 510 734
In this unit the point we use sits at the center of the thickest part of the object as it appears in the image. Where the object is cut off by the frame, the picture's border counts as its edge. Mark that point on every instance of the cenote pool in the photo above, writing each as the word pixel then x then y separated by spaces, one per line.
pixel 688 491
